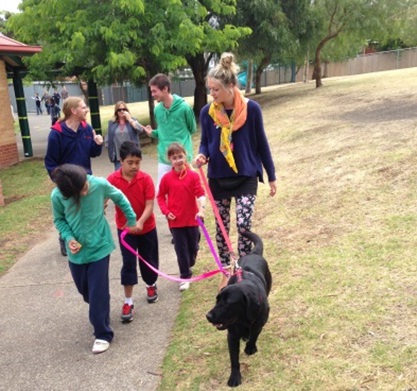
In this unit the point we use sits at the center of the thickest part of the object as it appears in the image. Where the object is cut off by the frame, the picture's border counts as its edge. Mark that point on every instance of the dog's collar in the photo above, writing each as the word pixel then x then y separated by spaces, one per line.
pixel 238 274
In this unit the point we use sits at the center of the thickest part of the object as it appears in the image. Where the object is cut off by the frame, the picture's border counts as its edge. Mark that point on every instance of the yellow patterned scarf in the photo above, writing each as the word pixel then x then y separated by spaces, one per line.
pixel 229 125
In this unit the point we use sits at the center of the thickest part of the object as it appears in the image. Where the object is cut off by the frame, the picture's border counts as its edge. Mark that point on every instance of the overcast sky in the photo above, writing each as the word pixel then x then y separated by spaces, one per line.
pixel 9 5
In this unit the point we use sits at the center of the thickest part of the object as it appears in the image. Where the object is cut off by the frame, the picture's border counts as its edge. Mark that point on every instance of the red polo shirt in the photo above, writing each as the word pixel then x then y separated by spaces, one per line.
pixel 139 190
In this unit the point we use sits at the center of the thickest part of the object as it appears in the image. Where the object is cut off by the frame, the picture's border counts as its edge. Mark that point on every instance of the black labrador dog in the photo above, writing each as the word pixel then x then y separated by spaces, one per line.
pixel 242 306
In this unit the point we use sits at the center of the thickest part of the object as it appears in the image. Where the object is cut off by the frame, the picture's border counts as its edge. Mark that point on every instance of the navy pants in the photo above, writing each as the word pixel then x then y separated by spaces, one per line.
pixel 146 246
pixel 92 281
pixel 186 242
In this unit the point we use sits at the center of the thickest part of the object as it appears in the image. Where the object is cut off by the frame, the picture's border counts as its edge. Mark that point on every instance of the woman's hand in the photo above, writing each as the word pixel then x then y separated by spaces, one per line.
pixel 200 160
pixel 128 117
pixel 273 188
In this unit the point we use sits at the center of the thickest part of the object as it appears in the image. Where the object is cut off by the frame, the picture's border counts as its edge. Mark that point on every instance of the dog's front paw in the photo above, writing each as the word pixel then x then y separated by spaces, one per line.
pixel 250 349
pixel 235 378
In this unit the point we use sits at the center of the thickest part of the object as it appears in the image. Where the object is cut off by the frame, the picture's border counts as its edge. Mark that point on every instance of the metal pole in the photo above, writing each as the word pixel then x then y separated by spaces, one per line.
pixel 94 106
pixel 22 113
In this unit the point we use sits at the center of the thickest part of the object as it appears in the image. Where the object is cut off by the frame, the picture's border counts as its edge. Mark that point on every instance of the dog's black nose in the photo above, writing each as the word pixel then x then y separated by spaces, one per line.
pixel 209 317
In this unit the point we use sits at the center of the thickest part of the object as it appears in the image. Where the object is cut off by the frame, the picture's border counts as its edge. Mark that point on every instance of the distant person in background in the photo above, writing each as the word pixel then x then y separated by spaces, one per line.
pixel 46 99
pixel 175 121
pixel 72 140
pixel 38 104
pixel 121 128
pixel 12 111
pixel 64 93
pixel 56 97
pixel 55 111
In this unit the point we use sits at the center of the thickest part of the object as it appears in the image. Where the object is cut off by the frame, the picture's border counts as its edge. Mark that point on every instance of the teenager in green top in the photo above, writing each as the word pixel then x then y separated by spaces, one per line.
pixel 175 122
pixel 78 212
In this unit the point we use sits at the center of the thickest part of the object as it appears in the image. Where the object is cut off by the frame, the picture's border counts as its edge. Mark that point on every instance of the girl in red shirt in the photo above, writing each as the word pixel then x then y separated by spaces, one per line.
pixel 181 199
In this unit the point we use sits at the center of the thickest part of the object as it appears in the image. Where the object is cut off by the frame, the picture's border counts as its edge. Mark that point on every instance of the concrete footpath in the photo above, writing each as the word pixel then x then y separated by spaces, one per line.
pixel 45 334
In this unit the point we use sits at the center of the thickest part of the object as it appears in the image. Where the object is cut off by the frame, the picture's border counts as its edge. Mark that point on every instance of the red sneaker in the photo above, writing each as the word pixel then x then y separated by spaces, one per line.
pixel 127 313
pixel 152 294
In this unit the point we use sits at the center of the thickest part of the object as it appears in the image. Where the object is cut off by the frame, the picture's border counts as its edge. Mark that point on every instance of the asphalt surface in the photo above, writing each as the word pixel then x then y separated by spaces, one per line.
pixel 45 335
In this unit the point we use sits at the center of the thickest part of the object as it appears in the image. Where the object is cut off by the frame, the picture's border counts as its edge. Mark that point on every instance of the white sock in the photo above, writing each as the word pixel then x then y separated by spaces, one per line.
pixel 128 300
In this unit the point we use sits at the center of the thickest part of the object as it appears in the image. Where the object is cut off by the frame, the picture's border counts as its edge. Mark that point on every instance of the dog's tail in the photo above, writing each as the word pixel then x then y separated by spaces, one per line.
pixel 257 241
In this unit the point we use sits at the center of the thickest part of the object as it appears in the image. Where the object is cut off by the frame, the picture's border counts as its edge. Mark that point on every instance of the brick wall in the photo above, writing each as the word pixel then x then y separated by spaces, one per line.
pixel 1 195
pixel 9 153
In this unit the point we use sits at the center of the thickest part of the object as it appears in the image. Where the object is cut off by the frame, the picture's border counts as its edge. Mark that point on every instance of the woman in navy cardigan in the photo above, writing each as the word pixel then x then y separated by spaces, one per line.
pixel 235 147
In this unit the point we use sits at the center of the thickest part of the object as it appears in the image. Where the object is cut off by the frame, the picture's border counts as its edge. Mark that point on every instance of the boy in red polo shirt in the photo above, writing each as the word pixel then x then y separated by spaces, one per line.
pixel 139 189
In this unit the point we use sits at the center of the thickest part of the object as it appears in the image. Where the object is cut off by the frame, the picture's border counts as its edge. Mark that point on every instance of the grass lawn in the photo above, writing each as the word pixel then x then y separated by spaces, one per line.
pixel 339 237
pixel 340 240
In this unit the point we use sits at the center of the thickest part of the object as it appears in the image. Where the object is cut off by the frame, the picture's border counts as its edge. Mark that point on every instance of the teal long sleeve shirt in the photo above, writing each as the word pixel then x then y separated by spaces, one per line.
pixel 175 124
pixel 88 224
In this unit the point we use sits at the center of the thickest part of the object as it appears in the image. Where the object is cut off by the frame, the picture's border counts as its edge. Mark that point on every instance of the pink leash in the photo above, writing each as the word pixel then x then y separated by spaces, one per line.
pixel 206 235
pixel 215 210
pixel 168 277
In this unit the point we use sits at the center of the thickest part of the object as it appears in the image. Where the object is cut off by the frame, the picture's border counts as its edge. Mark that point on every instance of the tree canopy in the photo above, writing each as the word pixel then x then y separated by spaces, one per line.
pixel 125 40
pixel 112 41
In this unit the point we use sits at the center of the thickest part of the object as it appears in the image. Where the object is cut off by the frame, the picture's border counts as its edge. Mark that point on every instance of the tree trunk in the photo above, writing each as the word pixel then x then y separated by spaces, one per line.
pixel 317 73
pixel 199 67
pixel 261 66
pixel 317 64
pixel 249 77
pixel 151 105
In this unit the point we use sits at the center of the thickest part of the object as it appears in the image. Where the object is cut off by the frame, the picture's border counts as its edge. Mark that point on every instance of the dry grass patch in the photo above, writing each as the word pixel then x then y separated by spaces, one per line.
pixel 340 239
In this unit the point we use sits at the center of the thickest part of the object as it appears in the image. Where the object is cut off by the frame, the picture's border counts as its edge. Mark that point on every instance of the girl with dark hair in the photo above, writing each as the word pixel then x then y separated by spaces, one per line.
pixel 78 212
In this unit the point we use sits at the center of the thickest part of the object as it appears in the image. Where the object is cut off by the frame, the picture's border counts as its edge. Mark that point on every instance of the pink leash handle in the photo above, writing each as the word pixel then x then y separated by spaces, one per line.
pixel 168 277
pixel 215 210
pixel 211 247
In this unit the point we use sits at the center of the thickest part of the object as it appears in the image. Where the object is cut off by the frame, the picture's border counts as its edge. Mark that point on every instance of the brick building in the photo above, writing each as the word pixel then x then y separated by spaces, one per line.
pixel 11 66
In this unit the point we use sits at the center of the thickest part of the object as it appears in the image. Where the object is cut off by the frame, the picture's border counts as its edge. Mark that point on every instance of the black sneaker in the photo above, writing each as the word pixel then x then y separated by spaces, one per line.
pixel 127 313
pixel 152 294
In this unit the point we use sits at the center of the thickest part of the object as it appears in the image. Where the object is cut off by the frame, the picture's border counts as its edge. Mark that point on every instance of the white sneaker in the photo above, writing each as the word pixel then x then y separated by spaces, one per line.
pixel 100 346
pixel 184 286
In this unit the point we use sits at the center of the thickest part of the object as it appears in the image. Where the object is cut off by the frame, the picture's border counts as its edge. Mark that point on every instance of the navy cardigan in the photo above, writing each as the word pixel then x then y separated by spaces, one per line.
pixel 250 147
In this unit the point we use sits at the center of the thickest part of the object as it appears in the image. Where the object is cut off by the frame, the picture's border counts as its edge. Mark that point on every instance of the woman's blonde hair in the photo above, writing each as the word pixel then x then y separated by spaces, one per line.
pixel 225 72
pixel 70 103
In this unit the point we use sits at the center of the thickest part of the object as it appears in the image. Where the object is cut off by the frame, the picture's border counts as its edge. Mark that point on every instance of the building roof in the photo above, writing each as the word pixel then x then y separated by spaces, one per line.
pixel 12 51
